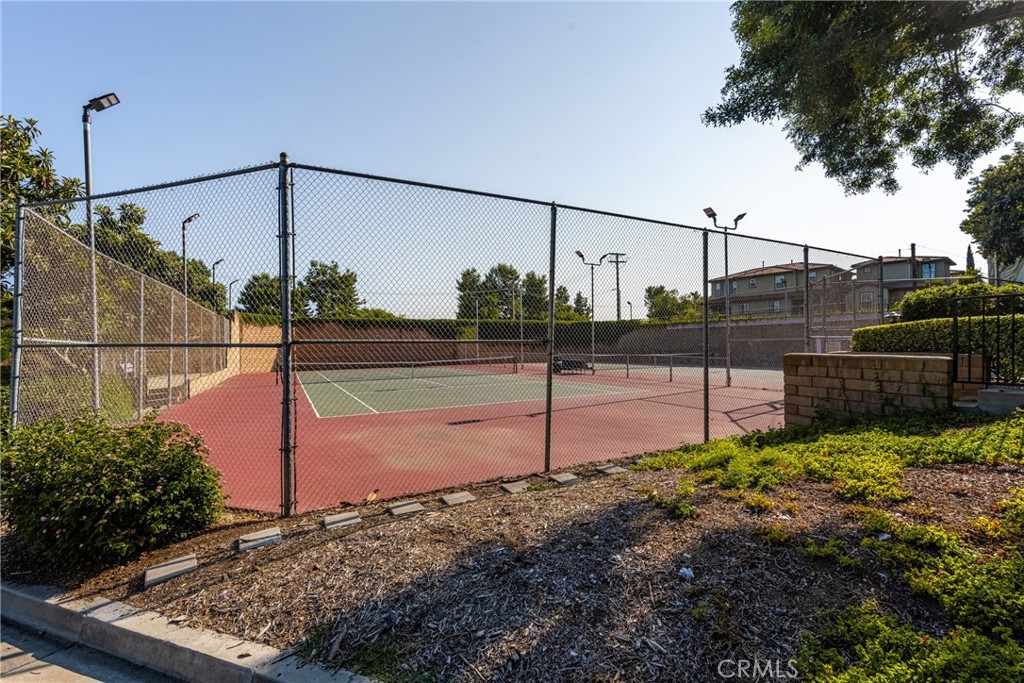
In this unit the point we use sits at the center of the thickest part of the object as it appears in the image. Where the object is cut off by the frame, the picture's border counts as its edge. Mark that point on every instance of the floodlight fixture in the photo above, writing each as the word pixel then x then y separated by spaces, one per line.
pixel 710 213
pixel 580 254
pixel 103 102
pixel 739 218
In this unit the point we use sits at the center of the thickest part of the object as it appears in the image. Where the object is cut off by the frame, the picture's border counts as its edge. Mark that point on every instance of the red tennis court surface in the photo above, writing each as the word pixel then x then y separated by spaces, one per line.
pixel 344 459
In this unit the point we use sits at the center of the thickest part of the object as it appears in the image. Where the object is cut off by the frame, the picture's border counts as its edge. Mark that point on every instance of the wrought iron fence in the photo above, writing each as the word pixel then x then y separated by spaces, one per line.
pixel 987 345
pixel 392 337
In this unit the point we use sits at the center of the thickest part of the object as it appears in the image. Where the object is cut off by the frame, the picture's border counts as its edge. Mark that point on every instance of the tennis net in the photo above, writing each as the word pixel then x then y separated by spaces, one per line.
pixel 652 366
pixel 372 371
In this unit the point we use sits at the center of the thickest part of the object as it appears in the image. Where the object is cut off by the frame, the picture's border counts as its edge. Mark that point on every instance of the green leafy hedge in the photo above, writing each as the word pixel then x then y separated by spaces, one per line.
pixel 85 491
pixel 937 301
pixel 988 335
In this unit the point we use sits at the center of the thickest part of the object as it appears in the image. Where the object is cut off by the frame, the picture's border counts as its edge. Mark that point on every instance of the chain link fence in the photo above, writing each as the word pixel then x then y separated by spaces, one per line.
pixel 337 337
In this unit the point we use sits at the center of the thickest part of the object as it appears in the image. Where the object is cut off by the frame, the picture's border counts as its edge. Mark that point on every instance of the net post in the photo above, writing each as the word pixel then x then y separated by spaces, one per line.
pixel 671 366
pixel 19 283
pixel 285 267
pixel 707 370
pixel 548 391
pixel 807 299
pixel 627 366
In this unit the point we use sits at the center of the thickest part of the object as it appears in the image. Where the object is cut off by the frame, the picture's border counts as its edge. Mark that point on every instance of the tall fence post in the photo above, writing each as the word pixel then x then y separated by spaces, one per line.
pixel 807 299
pixel 287 426
pixel 170 352
pixel 881 290
pixel 551 340
pixel 707 350
pixel 142 340
pixel 19 283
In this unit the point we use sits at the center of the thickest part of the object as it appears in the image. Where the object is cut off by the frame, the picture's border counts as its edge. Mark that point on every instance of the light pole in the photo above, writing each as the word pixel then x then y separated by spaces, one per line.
pixel 593 346
pixel 95 104
pixel 184 280
pixel 617 260
pixel 230 287
pixel 630 304
pixel 710 213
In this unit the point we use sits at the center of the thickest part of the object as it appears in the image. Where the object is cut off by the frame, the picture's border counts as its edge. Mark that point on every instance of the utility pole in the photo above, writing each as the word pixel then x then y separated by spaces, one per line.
pixel 618 299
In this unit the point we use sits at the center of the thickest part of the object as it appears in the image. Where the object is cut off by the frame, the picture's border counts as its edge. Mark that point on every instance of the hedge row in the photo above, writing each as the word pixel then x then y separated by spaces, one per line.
pixel 1000 338
pixel 937 301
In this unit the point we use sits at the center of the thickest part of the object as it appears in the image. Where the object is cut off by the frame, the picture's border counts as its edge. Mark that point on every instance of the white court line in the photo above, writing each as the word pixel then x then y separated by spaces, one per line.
pixel 347 392
pixel 308 398
pixel 427 381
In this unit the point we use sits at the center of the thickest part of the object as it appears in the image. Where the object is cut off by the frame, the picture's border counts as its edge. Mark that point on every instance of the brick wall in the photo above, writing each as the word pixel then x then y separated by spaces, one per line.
pixel 843 384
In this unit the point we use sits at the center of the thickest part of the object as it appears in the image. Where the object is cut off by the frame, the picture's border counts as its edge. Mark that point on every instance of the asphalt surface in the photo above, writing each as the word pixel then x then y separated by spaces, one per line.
pixel 27 656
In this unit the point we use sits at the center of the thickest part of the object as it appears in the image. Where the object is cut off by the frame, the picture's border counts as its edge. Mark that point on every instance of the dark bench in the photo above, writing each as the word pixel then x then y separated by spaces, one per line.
pixel 572 366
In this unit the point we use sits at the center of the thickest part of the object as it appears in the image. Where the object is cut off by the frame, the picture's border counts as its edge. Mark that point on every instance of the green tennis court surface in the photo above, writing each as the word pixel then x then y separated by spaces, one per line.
pixel 335 393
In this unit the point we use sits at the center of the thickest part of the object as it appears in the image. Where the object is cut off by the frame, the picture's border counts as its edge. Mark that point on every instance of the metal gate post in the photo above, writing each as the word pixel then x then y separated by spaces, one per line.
pixel 881 290
pixel 19 283
pixel 551 339
pixel 287 426
pixel 707 377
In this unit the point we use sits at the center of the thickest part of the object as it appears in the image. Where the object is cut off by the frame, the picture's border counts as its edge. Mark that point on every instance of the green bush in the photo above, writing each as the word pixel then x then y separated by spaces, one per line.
pixel 937 301
pixel 976 335
pixel 85 491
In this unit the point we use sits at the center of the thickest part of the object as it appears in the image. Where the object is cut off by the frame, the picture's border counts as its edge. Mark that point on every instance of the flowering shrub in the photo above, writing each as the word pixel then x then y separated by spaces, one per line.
pixel 85 491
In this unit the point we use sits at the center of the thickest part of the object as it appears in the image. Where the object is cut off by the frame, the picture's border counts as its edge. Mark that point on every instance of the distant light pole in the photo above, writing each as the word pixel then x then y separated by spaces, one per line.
pixel 230 286
pixel 630 304
pixel 95 104
pixel 213 278
pixel 593 343
pixel 184 279
pixel 617 260
pixel 710 213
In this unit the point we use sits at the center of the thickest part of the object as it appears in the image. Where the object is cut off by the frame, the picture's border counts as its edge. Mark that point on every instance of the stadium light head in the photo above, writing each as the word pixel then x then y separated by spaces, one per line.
pixel 710 213
pixel 218 262
pixel 739 218
pixel 103 102
pixel 190 219
pixel 580 254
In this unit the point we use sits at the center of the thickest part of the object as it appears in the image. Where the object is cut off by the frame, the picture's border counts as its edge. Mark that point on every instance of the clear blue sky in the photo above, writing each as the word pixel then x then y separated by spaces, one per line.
pixel 593 105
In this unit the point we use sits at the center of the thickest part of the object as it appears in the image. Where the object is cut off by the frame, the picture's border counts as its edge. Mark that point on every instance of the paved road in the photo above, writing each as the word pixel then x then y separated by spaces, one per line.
pixel 27 656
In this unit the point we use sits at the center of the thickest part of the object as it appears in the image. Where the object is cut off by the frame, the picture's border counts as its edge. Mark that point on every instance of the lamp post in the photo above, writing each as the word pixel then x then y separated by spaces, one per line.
pixel 710 213
pixel 184 280
pixel 95 104
pixel 630 304
pixel 593 345
pixel 230 287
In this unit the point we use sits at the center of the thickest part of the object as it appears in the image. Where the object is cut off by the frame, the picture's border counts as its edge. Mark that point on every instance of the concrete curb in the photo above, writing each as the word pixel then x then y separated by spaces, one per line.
pixel 151 640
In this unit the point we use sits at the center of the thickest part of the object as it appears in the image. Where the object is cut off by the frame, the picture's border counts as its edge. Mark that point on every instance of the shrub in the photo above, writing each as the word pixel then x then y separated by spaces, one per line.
pixel 85 491
pixel 937 301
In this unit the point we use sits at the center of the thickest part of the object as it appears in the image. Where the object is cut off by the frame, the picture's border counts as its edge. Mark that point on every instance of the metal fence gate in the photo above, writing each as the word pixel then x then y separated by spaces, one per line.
pixel 374 337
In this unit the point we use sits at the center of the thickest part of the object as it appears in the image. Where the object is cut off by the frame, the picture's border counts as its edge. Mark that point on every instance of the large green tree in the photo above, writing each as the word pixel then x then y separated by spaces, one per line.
pixel 329 292
pixel 857 85
pixel 261 294
pixel 468 286
pixel 26 170
pixel 501 286
pixel 995 209
pixel 535 296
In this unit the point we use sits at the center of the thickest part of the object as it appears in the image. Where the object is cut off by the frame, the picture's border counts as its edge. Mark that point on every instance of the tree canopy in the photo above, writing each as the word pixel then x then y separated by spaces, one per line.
pixel 329 292
pixel 28 171
pixel 995 209
pixel 858 85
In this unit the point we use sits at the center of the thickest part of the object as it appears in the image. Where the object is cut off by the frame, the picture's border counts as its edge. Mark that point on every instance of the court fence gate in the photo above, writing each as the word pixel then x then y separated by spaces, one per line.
pixel 391 337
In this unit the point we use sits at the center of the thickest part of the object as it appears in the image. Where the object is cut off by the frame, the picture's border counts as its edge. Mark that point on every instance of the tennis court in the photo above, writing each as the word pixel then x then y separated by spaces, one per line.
pixel 345 389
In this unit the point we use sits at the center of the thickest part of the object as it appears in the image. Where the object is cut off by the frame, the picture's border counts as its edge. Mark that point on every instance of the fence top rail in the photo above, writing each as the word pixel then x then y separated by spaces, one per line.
pixel 434 186
pixel 148 278
pixel 153 188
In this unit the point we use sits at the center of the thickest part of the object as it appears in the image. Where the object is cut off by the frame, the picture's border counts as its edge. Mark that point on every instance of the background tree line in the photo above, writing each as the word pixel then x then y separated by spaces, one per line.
pixel 496 296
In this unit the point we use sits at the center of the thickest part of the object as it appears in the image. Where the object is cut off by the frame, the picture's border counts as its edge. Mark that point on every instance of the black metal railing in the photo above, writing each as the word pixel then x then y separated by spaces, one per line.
pixel 987 344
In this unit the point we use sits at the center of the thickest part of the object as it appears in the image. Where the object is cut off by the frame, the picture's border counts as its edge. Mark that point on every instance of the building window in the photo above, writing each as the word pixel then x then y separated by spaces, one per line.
pixel 753 283
pixel 866 269
pixel 780 282
pixel 867 299
pixel 776 306
pixel 718 289
pixel 734 287
pixel 812 276
pixel 744 308
pixel 928 269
